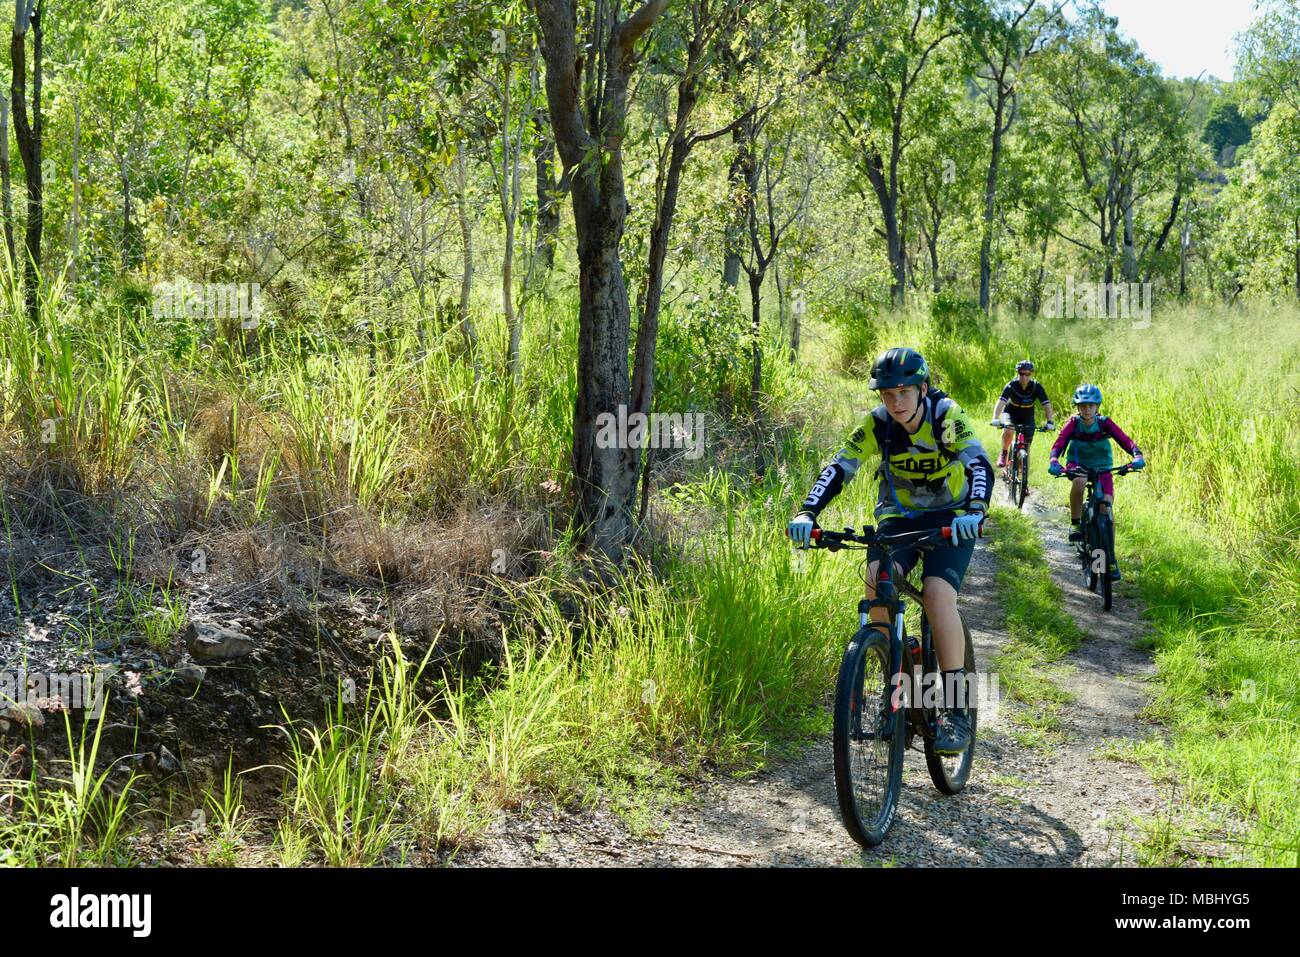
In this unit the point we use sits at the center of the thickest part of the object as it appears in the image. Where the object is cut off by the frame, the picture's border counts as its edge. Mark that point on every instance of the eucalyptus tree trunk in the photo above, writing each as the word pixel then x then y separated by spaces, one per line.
pixel 605 472
pixel 28 130
pixel 6 188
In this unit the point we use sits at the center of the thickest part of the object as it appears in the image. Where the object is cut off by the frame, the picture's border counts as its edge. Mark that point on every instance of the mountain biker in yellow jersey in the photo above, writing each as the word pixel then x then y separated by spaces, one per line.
pixel 1017 400
pixel 933 473
pixel 1088 436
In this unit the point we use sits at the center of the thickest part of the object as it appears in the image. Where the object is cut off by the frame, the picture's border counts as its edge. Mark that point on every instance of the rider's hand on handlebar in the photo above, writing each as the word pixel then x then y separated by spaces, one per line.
pixel 1138 463
pixel 966 528
pixel 800 529
pixel 1055 468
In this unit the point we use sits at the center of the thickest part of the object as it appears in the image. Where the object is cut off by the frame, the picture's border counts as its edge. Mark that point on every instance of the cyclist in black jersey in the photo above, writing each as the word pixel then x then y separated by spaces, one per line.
pixel 1017 401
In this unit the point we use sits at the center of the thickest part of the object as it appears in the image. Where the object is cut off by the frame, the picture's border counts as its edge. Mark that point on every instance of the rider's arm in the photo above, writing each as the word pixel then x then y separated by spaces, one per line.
pixel 839 472
pixel 1116 433
pixel 1002 401
pixel 1041 395
pixel 956 435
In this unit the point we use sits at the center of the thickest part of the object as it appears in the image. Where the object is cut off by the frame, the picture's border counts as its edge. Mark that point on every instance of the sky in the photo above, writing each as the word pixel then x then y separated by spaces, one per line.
pixel 1185 36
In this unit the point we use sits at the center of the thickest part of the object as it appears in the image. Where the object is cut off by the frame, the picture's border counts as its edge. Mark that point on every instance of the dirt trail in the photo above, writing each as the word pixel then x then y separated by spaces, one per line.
pixel 1061 805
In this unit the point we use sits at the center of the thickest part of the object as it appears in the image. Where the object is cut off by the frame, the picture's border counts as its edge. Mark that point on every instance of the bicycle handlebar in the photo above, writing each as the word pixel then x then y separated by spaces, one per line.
pixel 870 536
pixel 1078 470
pixel 1019 426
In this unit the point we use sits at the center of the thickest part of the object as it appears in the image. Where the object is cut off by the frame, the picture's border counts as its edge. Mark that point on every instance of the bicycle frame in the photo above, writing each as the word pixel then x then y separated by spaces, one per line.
pixel 872 737
pixel 1096 535
pixel 888 594
pixel 1092 495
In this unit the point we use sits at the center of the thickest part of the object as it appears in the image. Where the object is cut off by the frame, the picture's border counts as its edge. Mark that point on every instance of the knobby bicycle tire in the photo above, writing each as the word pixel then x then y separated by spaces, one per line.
pixel 868 773
pixel 950 773
pixel 1022 467
pixel 1090 577
pixel 1106 530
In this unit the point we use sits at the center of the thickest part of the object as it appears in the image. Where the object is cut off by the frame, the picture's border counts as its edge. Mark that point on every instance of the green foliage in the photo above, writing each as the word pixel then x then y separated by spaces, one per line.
pixel 703 352
pixel 1207 534
pixel 955 316
pixel 857 329
pixel 1224 128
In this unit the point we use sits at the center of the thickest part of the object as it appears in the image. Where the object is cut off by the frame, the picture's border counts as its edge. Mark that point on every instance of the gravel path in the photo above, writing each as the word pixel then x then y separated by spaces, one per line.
pixel 1063 804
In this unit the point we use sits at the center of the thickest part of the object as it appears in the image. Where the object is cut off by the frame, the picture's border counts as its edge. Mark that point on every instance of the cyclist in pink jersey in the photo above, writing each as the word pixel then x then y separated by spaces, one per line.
pixel 1087 436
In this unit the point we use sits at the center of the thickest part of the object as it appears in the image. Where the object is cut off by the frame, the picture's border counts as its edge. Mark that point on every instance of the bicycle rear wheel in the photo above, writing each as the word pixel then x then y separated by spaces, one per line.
pixel 867 740
pixel 949 772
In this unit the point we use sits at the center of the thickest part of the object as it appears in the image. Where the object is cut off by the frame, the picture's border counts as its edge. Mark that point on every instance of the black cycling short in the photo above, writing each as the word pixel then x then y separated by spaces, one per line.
pixel 943 560
pixel 1019 417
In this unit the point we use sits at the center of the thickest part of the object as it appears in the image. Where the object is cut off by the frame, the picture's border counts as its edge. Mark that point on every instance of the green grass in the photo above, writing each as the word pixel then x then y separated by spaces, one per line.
pixel 1207 535
pixel 1039 630
pixel 77 818
pixel 719 656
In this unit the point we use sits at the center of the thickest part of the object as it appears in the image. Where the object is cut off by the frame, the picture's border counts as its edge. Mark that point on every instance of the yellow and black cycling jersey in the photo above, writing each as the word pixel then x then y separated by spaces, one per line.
pixel 940 467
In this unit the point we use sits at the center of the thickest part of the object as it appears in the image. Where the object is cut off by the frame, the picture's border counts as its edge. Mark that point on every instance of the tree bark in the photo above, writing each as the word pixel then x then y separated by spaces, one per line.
pixel 1037 302
pixel 6 188
pixel 740 175
pixel 510 175
pixel 1130 264
pixel 468 336
pixel 756 338
pixel 28 131
pixel 887 195
pixel 932 244
pixel 990 197
pixel 127 232
pixel 606 477
pixel 548 195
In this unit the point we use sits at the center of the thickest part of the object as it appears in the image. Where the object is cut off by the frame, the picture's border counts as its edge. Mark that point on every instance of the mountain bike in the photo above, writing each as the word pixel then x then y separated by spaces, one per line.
pixel 1096 552
pixel 1016 472
pixel 888 694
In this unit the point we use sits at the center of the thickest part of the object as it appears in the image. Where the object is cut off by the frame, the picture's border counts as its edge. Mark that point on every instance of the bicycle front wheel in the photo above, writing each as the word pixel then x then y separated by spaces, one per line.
pixel 1090 576
pixel 1107 533
pixel 868 739
pixel 1022 469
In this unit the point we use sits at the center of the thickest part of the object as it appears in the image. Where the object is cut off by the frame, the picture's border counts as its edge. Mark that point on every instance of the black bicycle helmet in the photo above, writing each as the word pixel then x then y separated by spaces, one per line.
pixel 1024 365
pixel 898 367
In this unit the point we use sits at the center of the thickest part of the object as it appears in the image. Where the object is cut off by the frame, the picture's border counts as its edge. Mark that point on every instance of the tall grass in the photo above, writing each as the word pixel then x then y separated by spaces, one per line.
pixel 1208 532
pixel 716 659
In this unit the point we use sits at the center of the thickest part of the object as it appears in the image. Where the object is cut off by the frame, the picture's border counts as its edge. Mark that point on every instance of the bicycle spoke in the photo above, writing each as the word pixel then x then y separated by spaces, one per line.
pixel 870 749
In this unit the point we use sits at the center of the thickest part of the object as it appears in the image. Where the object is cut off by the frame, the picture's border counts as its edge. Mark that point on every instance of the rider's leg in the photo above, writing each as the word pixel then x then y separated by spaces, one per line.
pixel 1076 498
pixel 880 615
pixel 952 735
pixel 1108 497
pixel 1007 435
pixel 1106 485
pixel 940 600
